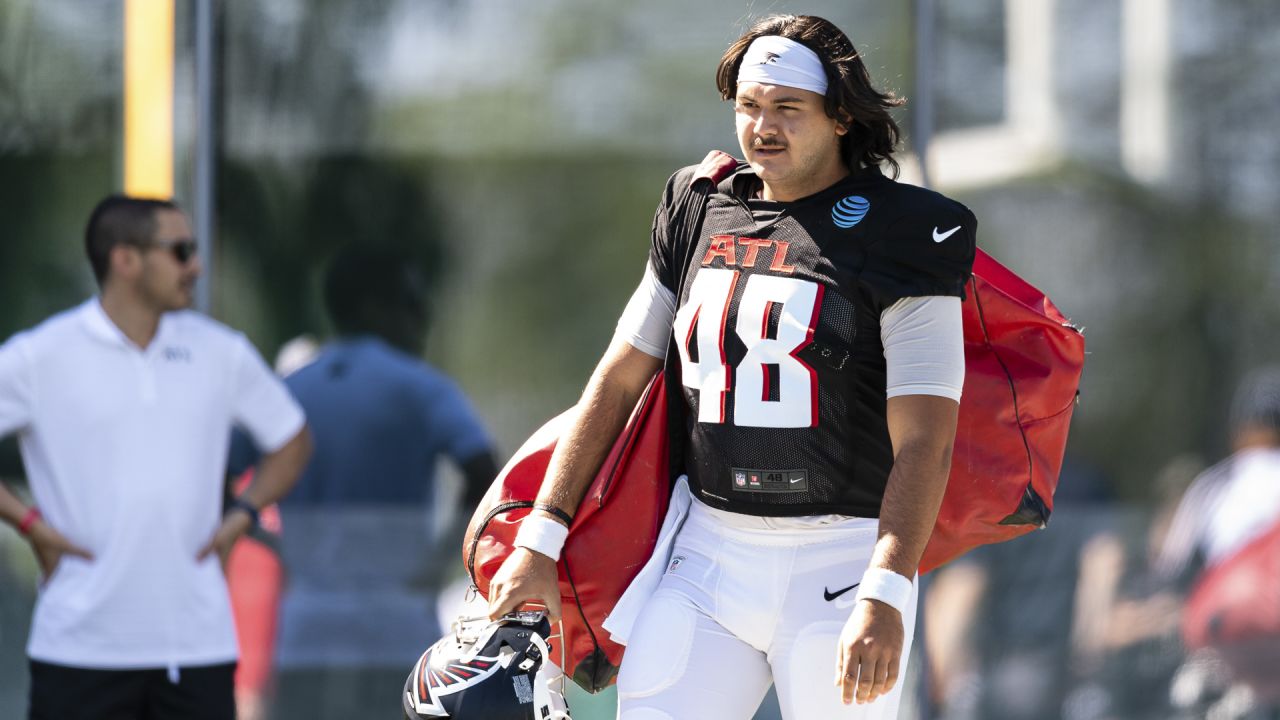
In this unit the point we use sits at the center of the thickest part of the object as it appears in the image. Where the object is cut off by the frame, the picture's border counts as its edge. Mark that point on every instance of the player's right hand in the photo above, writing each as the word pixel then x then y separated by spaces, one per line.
pixel 50 545
pixel 525 577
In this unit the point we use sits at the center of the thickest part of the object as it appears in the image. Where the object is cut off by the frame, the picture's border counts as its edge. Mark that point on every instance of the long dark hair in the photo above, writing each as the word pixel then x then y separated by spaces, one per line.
pixel 873 135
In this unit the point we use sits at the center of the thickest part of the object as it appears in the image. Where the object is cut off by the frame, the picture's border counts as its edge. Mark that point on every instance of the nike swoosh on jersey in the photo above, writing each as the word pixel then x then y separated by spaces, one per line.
pixel 937 237
pixel 829 596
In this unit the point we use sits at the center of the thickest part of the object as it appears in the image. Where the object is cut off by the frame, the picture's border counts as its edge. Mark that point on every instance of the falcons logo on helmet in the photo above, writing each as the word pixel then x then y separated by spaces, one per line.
pixel 453 677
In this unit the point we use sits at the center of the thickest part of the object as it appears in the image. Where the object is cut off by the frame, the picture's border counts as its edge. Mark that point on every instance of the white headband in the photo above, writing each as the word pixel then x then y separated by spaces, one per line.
pixel 776 60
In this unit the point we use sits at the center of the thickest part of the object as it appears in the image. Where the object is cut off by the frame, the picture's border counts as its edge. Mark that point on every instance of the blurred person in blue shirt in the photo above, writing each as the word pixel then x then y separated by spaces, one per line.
pixel 365 547
pixel 386 416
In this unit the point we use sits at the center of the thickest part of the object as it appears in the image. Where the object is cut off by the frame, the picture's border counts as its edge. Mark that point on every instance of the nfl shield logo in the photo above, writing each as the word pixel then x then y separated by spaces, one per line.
pixel 740 479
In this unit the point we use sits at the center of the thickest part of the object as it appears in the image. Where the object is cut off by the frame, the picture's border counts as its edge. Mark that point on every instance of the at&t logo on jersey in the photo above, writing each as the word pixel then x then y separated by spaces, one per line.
pixel 850 211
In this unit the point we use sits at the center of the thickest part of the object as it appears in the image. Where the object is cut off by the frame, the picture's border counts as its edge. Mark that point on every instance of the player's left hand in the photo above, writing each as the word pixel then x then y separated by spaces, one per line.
pixel 233 526
pixel 870 652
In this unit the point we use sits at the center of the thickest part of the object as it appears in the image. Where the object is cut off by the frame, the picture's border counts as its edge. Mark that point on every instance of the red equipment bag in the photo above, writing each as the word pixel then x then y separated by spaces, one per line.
pixel 1235 609
pixel 612 536
pixel 1023 361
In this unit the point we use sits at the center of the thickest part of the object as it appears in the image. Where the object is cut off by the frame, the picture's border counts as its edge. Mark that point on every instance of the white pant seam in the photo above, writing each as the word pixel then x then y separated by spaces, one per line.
pixel 782 602
pixel 716 563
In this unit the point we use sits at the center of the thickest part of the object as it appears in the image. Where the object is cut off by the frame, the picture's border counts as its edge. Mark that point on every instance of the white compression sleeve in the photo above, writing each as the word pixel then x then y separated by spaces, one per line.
pixel 646 322
pixel 923 341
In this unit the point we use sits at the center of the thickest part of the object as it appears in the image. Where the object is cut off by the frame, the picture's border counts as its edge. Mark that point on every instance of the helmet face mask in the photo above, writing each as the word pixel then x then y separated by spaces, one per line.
pixel 488 670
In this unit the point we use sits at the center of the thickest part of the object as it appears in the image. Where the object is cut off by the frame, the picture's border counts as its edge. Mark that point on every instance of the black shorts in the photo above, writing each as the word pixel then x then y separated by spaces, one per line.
pixel 68 693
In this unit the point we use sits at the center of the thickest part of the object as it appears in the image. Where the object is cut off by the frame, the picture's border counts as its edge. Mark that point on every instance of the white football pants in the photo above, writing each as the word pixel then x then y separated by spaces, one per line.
pixel 742 603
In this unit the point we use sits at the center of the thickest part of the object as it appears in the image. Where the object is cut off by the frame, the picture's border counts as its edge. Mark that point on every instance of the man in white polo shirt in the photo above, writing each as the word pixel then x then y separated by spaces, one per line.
pixel 123 408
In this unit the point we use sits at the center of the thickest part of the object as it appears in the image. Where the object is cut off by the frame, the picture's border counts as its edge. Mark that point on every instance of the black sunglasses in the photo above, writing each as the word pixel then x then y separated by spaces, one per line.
pixel 182 249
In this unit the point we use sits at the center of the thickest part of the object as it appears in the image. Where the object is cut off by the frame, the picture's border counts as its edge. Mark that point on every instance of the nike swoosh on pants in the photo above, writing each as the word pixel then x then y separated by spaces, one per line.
pixel 829 596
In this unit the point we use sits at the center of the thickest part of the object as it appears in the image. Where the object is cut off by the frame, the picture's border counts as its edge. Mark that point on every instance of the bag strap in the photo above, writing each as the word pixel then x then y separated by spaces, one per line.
pixel 691 203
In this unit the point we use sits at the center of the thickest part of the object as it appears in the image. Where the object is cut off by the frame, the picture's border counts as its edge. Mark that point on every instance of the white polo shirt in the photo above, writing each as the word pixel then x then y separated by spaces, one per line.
pixel 125 450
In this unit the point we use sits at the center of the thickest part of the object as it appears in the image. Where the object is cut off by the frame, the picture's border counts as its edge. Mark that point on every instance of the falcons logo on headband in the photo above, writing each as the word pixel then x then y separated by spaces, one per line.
pixel 434 683
pixel 770 57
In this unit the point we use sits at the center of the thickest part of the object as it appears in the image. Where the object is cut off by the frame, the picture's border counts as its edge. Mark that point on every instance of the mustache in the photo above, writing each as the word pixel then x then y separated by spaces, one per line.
pixel 760 143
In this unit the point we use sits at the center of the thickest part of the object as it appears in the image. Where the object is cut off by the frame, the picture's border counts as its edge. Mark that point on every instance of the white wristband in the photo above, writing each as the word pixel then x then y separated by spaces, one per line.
pixel 886 586
pixel 542 535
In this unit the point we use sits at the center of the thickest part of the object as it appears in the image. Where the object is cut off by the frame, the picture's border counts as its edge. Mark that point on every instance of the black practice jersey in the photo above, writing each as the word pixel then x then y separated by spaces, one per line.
pixel 777 334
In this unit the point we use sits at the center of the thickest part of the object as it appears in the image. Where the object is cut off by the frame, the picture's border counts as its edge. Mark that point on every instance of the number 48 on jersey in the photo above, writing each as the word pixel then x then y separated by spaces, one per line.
pixel 701 324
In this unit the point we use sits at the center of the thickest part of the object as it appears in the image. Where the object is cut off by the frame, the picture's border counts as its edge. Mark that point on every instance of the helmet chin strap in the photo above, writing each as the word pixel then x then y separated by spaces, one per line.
pixel 544 697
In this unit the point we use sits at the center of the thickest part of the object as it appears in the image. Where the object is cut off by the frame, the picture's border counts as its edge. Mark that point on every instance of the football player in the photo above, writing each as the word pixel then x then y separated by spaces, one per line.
pixel 808 315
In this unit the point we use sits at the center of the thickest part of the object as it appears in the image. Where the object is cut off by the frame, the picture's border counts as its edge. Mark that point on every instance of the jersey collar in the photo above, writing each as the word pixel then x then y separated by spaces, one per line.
pixel 745 185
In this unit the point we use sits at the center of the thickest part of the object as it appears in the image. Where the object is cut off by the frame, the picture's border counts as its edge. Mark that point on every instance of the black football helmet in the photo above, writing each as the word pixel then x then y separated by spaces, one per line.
pixel 488 670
